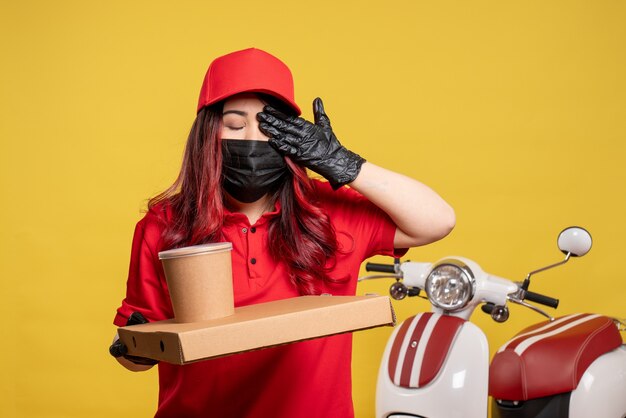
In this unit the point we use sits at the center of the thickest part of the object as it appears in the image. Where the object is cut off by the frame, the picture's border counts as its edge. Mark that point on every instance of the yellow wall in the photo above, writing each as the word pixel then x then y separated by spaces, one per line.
pixel 514 111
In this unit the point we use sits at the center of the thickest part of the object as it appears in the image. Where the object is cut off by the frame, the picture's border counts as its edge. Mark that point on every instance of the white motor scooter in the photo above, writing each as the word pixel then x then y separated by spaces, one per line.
pixel 436 364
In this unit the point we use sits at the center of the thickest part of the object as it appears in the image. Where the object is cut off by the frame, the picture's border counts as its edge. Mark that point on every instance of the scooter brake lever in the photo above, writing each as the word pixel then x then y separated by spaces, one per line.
pixel 380 276
pixel 529 306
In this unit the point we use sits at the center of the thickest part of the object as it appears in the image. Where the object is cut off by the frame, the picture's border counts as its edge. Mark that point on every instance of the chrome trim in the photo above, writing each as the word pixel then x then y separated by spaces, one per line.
pixel 567 257
pixel 465 269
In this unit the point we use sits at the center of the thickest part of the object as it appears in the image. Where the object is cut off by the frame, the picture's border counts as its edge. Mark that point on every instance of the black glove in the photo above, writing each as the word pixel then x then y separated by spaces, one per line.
pixel 314 146
pixel 118 349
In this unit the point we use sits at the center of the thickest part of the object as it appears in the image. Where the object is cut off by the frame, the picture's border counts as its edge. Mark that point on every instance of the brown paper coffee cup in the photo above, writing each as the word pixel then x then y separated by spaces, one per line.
pixel 200 281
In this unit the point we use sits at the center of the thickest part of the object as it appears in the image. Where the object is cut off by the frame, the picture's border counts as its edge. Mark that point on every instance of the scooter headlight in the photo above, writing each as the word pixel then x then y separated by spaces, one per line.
pixel 450 285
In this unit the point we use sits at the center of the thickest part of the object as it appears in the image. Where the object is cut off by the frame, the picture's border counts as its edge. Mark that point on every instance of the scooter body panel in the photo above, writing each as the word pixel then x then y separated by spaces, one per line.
pixel 601 392
pixel 459 390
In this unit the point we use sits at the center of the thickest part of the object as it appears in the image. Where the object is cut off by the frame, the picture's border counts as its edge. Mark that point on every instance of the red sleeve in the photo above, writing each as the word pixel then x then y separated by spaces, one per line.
pixel 146 289
pixel 360 223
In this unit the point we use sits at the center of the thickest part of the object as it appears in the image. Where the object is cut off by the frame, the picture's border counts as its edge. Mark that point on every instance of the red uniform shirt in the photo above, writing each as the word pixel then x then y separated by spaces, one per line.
pixel 306 379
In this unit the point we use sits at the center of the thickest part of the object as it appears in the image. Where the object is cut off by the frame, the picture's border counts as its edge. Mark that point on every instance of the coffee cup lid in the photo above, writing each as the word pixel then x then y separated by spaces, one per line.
pixel 214 247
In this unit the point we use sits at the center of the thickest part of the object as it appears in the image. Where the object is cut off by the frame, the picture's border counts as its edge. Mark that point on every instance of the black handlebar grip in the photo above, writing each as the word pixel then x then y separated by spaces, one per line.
pixel 542 299
pixel 488 308
pixel 383 268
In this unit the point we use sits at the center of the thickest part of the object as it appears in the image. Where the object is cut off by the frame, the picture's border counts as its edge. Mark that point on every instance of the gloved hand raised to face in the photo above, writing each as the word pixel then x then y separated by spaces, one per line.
pixel 313 146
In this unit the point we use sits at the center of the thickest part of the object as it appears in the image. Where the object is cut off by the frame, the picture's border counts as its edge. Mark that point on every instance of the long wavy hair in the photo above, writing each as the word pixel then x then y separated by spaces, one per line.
pixel 301 235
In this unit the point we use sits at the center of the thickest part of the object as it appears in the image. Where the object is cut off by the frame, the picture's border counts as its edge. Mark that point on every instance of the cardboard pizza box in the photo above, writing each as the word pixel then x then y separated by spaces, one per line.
pixel 257 326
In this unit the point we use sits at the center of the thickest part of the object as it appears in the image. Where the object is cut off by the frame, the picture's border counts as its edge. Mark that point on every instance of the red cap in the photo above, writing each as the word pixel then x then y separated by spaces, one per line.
pixel 249 70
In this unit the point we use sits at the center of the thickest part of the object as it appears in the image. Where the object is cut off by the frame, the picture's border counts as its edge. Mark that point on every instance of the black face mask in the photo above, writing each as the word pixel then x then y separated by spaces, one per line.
pixel 251 169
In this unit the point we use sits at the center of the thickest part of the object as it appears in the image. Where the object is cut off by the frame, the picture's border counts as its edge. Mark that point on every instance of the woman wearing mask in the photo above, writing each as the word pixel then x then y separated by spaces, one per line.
pixel 244 180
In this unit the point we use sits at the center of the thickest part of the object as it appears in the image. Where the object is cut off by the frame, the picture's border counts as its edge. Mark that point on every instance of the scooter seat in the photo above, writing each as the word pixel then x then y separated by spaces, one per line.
pixel 550 357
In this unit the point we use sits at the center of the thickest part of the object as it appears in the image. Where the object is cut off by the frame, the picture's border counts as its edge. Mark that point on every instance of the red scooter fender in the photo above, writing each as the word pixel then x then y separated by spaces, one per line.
pixel 434 365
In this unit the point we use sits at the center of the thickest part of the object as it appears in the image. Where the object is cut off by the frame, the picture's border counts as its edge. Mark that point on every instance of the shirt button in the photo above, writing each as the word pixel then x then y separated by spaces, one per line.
pixel 253 230
pixel 244 230
pixel 253 260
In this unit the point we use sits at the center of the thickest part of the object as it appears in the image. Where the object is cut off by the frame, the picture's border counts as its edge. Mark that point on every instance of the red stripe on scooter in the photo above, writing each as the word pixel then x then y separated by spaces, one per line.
pixel 397 345
pixel 409 357
pixel 529 331
pixel 438 346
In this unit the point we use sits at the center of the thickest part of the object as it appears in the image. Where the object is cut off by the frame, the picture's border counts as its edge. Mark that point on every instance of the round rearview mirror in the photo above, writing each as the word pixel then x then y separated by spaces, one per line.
pixel 575 241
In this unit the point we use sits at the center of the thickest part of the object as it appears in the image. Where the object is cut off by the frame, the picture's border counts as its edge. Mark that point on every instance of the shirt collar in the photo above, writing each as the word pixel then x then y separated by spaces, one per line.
pixel 236 217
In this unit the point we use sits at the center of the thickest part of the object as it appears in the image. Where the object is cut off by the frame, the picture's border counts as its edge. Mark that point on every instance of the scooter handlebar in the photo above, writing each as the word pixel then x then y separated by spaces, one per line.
pixel 382 268
pixel 541 299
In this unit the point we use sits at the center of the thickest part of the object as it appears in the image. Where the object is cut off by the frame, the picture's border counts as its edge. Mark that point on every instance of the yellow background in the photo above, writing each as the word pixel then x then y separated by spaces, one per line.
pixel 513 111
